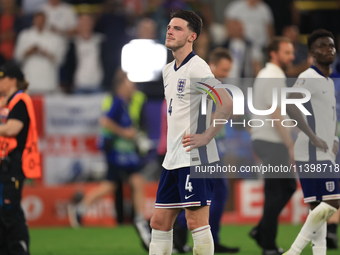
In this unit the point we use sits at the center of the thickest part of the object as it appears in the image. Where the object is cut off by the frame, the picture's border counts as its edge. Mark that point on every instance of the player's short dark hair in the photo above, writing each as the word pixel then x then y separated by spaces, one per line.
pixel 318 34
pixel 274 44
pixel 218 53
pixel 195 22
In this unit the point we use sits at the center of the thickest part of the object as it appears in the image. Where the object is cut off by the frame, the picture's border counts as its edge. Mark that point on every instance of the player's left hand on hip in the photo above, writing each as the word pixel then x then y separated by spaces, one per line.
pixel 194 141
pixel 335 147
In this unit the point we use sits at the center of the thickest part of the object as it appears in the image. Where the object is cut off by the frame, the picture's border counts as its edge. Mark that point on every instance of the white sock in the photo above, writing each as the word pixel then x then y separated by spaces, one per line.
pixel 203 241
pixel 139 217
pixel 319 250
pixel 319 241
pixel 161 242
pixel 315 220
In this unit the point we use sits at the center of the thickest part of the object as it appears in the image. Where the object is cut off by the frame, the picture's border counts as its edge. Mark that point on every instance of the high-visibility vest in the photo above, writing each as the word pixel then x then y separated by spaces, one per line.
pixel 135 107
pixel 30 156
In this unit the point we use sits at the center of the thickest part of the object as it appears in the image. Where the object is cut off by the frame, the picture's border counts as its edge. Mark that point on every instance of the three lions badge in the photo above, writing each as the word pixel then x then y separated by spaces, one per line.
pixel 181 85
pixel 330 186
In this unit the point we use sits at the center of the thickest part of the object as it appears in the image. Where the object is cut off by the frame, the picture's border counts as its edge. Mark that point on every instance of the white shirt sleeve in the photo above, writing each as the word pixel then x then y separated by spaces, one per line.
pixel 59 49
pixel 22 46
pixel 202 77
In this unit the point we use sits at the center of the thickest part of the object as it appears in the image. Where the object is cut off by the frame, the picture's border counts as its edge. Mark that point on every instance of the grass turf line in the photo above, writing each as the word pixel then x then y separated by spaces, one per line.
pixel 124 241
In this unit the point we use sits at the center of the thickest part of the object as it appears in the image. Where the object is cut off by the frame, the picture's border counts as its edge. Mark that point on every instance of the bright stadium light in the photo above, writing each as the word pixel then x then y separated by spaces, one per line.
pixel 143 60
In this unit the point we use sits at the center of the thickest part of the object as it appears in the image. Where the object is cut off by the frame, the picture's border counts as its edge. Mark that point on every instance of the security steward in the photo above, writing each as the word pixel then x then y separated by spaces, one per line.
pixel 19 158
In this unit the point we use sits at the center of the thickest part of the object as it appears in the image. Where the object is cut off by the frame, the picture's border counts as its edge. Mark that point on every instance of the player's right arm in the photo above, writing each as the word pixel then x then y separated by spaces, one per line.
pixel 295 113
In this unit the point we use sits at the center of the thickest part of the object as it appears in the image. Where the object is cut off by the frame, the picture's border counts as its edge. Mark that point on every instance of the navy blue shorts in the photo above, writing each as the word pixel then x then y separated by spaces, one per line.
pixel 319 189
pixel 116 173
pixel 177 190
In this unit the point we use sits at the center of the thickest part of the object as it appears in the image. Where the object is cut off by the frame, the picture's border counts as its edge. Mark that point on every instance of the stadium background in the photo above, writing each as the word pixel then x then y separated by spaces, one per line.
pixel 68 126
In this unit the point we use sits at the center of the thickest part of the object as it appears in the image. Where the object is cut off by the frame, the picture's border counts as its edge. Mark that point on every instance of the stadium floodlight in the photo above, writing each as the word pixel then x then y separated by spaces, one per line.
pixel 143 60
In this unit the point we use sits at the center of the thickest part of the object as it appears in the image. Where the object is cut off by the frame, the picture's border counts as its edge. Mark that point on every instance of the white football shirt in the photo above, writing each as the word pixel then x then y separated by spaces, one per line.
pixel 270 77
pixel 183 95
pixel 323 118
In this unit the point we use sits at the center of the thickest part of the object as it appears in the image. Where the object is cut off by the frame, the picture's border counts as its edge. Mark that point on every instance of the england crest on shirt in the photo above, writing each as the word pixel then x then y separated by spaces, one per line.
pixel 330 186
pixel 181 85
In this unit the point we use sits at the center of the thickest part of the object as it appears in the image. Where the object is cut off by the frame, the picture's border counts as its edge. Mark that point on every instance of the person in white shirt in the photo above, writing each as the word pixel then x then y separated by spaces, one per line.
pixel 257 18
pixel 190 139
pixel 247 57
pixel 84 59
pixel 273 143
pixel 40 52
pixel 317 144
pixel 61 17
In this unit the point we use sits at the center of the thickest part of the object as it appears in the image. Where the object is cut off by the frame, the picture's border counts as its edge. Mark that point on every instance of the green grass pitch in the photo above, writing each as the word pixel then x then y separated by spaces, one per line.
pixel 124 241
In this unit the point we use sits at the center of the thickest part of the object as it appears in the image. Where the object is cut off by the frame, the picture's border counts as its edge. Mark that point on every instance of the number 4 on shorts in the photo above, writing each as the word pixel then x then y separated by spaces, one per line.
pixel 188 185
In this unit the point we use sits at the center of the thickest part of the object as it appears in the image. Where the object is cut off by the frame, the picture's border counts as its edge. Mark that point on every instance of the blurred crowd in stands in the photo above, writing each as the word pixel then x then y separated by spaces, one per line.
pixel 75 46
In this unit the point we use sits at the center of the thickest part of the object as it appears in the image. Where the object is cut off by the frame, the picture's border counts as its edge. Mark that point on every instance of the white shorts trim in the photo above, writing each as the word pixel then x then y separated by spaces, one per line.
pixel 324 198
pixel 331 197
pixel 180 205
pixel 309 199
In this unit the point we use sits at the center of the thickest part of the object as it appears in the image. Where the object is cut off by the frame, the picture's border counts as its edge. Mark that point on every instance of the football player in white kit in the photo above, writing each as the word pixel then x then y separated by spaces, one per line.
pixel 317 144
pixel 188 141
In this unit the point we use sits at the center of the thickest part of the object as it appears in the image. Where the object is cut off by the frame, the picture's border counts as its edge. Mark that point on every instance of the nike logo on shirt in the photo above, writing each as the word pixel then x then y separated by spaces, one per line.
pixel 166 85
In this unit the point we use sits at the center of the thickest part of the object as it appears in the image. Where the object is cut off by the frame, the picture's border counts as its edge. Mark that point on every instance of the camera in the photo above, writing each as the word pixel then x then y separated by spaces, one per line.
pixel 5 164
